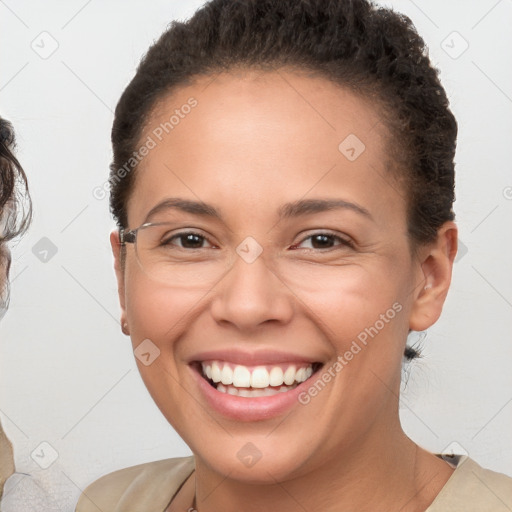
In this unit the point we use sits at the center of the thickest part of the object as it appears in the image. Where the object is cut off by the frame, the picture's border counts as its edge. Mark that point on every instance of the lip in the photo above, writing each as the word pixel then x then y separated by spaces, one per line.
pixel 247 409
pixel 259 357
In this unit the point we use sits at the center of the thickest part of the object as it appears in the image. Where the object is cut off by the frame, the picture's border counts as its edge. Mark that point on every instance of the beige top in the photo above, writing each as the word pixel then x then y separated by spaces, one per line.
pixel 151 487
pixel 6 459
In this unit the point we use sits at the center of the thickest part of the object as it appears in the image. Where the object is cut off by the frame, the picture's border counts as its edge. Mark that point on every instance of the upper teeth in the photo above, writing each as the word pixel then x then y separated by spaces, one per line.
pixel 256 377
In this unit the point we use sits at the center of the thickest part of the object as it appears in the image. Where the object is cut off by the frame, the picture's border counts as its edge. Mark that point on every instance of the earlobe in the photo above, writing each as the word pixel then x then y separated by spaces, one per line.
pixel 124 327
pixel 434 278
pixel 119 270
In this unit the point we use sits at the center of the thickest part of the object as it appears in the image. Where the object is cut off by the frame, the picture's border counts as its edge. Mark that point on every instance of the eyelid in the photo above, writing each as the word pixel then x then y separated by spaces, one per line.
pixel 189 231
pixel 345 239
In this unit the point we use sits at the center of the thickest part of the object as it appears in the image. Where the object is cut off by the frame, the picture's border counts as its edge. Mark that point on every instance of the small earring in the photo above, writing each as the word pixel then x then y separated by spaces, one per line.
pixel 428 286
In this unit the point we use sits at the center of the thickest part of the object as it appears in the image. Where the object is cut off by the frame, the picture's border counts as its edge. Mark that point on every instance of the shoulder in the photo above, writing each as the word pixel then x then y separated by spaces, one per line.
pixel 6 459
pixel 147 487
pixel 472 488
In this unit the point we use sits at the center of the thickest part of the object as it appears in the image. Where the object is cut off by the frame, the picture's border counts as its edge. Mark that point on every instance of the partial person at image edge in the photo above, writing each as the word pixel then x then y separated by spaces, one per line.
pixel 15 217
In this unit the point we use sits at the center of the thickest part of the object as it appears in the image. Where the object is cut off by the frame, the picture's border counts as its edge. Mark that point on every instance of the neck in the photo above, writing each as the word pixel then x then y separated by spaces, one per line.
pixel 384 476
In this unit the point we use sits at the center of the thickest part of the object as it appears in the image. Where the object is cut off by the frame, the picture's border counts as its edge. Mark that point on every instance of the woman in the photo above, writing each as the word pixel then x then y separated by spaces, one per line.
pixel 283 182
pixel 15 215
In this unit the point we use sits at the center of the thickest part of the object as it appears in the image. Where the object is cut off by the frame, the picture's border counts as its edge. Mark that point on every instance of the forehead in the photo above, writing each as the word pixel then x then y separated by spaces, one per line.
pixel 265 135
pixel 247 100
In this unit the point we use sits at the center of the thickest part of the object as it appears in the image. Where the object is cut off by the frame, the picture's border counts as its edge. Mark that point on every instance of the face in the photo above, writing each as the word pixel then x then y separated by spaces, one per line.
pixel 325 288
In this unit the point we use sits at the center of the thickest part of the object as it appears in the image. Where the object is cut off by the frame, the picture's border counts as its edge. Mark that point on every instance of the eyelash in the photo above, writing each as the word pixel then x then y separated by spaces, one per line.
pixel 343 241
pixel 183 234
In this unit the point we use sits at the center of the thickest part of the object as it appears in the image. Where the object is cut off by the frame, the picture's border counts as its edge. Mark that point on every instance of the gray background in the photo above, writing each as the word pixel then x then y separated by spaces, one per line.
pixel 67 374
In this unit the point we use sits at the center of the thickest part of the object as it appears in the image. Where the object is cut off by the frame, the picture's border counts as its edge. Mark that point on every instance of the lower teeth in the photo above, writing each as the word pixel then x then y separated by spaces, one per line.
pixel 253 392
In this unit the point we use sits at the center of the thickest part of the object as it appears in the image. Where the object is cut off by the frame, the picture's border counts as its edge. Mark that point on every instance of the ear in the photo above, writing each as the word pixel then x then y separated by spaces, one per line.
pixel 116 251
pixel 434 278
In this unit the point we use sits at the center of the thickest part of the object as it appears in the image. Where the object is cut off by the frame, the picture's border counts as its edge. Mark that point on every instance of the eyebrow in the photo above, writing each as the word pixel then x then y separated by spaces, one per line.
pixel 288 210
pixel 309 206
pixel 184 205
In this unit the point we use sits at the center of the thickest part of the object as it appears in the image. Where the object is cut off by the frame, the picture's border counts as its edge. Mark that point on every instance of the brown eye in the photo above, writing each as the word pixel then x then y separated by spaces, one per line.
pixel 188 240
pixel 323 241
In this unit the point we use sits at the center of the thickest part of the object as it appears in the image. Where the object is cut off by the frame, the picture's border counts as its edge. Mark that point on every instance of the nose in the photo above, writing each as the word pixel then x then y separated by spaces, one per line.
pixel 251 294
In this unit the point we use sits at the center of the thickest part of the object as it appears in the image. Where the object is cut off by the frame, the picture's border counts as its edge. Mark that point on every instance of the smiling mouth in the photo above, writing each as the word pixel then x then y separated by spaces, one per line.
pixel 255 381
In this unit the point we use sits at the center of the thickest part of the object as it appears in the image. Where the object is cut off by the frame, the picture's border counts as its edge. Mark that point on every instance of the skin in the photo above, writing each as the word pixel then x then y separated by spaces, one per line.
pixel 254 142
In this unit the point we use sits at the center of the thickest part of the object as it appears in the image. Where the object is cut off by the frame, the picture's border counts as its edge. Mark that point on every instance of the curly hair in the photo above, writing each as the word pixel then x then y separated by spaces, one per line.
pixel 15 203
pixel 372 51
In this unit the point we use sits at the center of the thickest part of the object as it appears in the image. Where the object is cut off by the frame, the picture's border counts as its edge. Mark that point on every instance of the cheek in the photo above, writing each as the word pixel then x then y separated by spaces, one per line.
pixel 356 298
pixel 156 311
pixel 157 314
pixel 363 313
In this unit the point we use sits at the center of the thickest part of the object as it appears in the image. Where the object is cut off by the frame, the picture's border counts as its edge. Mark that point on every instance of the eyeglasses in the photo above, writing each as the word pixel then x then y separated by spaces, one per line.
pixel 173 255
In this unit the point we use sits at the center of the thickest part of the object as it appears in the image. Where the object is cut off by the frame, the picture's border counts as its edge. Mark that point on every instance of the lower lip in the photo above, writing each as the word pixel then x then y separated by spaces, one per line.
pixel 246 408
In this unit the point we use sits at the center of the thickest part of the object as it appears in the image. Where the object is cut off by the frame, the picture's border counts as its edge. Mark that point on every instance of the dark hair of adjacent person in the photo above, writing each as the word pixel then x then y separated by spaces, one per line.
pixel 372 51
pixel 15 204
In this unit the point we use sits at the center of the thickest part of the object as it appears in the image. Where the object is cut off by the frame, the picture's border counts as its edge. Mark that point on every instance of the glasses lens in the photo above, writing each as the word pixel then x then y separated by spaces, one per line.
pixel 180 257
